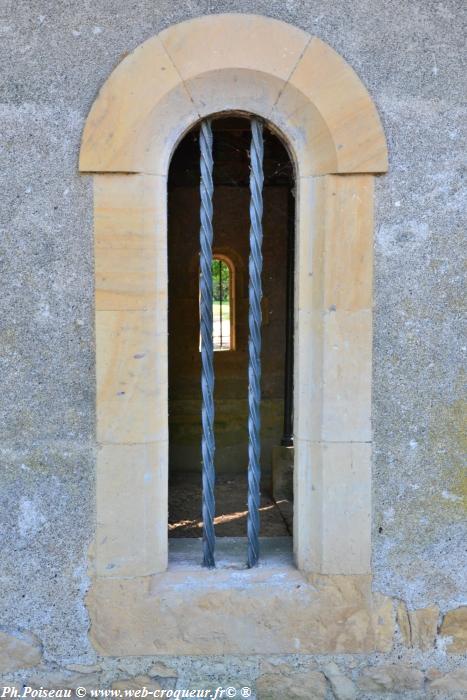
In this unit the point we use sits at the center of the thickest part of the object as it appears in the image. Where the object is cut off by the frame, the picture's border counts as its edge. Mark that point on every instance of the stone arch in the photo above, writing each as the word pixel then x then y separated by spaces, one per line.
pixel 251 64
pixel 233 62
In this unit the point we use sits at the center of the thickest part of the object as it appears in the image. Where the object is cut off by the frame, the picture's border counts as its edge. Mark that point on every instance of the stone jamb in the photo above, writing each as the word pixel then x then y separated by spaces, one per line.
pixel 329 123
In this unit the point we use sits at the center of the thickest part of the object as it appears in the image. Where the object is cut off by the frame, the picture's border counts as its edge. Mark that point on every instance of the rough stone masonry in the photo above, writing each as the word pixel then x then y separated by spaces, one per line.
pixel 55 57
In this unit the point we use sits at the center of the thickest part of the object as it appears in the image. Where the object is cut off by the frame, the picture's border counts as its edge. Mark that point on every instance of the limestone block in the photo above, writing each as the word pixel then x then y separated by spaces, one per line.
pixel 347 372
pixel 418 627
pixel 346 508
pixel 391 678
pixel 131 367
pixel 453 685
pixel 131 537
pixel 19 650
pixel 455 625
pixel 330 110
pixel 234 41
pixel 272 608
pixel 291 684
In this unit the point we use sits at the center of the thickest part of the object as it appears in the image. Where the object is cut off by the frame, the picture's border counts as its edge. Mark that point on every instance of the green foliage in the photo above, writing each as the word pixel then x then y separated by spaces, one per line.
pixel 220 280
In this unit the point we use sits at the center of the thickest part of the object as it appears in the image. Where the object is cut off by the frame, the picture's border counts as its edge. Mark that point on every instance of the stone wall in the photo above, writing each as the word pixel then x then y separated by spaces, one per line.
pixel 56 56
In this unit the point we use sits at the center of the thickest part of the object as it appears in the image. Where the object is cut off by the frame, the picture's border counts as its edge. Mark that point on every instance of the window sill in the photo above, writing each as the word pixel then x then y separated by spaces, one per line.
pixel 271 609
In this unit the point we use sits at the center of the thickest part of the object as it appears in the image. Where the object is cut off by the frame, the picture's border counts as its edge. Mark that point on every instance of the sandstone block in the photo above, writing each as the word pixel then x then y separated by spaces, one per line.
pixel 455 626
pixel 291 684
pixel 392 678
pixel 19 650
pixel 418 627
pixel 453 685
pixel 161 670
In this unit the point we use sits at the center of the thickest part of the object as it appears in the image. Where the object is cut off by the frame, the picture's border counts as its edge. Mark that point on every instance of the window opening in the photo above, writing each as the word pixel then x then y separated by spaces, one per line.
pixel 230 306
pixel 221 304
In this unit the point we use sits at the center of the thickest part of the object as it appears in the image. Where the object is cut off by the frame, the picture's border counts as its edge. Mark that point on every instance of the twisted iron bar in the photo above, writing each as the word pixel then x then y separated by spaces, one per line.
pixel 207 371
pixel 254 342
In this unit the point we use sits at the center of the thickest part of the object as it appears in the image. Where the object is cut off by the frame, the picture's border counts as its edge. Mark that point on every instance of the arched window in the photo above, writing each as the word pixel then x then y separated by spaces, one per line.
pixel 223 304
pixel 305 91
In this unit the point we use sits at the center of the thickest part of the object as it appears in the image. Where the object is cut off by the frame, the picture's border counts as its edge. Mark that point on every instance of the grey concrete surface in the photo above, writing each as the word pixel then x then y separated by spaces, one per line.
pixel 55 55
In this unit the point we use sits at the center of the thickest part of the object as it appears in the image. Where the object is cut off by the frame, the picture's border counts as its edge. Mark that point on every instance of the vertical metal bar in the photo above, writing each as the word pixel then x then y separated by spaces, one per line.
pixel 287 435
pixel 254 343
pixel 220 302
pixel 207 354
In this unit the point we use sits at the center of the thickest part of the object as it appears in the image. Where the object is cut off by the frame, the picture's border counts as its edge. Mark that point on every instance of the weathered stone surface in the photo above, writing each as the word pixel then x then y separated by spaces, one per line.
pixel 161 670
pixel 84 668
pixel 453 685
pixel 342 687
pixel 287 682
pixel 19 650
pixel 63 680
pixel 393 678
pixel 136 683
pixel 271 608
pixel 418 627
pixel 455 625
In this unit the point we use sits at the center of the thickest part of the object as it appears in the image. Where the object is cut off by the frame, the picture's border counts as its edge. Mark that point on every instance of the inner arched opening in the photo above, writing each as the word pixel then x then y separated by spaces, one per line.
pixel 231 142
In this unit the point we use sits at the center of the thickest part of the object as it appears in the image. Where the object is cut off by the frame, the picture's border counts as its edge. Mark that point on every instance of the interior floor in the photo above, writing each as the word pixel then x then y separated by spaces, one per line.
pixel 231 506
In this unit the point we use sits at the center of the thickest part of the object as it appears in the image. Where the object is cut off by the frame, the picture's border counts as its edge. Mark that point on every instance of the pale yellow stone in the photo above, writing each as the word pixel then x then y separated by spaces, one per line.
pixel 219 41
pixel 332 116
pixel 161 670
pixel 455 625
pixel 131 535
pixel 292 684
pixel 307 520
pixel 273 609
pixel 347 375
pixel 130 220
pixel 145 106
pixel 21 650
pixel 235 90
pixel 348 243
pixel 453 685
pixel 131 367
pixel 418 627
pixel 138 112
pixel 404 623
pixel 346 508
pixel 130 211
pixel 390 678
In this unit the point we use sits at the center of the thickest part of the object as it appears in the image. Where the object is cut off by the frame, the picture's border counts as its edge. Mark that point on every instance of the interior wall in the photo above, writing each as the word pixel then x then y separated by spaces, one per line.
pixel 231 237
